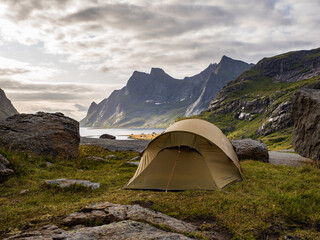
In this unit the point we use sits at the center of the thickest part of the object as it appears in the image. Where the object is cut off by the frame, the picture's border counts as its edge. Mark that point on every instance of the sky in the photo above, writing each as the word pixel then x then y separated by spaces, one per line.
pixel 61 55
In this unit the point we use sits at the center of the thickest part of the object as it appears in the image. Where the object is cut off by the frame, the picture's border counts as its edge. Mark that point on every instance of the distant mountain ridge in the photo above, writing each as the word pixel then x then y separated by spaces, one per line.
pixel 155 99
pixel 257 104
pixel 6 107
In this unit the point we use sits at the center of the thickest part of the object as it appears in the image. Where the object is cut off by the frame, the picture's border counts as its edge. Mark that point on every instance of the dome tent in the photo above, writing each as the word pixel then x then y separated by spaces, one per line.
pixel 190 154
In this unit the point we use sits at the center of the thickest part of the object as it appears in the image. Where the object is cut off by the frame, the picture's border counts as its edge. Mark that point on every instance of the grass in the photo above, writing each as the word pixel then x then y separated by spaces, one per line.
pixel 274 199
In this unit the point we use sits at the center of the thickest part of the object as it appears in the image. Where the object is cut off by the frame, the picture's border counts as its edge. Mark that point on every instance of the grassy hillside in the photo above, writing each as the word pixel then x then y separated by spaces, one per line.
pixel 257 104
pixel 257 89
pixel 273 201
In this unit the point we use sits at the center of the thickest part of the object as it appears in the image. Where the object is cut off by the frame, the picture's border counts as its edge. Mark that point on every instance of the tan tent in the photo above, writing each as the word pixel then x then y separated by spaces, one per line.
pixel 190 154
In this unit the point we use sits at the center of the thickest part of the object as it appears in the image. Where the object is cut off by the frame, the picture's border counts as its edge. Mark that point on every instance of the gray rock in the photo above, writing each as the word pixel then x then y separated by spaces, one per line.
pixel 49 164
pixel 135 158
pixel 24 191
pixel 116 212
pixel 289 237
pixel 45 233
pixel 5 172
pixel 97 159
pixel 45 134
pixel 68 182
pixel 133 163
pixel 119 231
pixel 107 136
pixel 279 119
pixel 306 119
pixel 251 149
pixel 86 218
pixel 114 157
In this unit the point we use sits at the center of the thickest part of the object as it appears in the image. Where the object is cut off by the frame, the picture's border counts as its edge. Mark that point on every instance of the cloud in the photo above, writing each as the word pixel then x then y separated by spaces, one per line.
pixel 81 108
pixel 117 37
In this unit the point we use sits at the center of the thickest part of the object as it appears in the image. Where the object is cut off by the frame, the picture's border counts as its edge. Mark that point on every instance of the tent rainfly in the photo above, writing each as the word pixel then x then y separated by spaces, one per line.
pixel 190 154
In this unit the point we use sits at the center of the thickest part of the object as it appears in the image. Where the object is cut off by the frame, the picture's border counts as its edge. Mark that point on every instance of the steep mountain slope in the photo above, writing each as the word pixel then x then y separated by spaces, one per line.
pixel 258 103
pixel 156 99
pixel 6 107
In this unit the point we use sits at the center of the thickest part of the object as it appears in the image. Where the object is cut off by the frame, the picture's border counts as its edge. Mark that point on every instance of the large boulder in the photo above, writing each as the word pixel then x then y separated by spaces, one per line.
pixel 45 134
pixel 5 172
pixel 306 120
pixel 114 231
pixel 107 136
pixel 251 149
pixel 108 212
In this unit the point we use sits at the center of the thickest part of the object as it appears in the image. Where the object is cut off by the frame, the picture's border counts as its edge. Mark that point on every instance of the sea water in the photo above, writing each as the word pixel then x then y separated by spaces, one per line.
pixel 119 133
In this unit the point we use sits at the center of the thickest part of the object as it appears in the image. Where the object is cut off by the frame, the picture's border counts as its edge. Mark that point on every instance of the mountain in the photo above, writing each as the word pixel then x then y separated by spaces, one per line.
pixel 6 107
pixel 257 103
pixel 156 99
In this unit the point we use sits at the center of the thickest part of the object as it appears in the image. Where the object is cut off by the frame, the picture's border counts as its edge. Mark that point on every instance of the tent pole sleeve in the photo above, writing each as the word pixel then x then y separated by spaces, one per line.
pixel 174 166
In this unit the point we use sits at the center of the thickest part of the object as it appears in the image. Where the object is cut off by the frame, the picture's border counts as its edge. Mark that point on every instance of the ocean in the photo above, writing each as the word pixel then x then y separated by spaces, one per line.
pixel 119 133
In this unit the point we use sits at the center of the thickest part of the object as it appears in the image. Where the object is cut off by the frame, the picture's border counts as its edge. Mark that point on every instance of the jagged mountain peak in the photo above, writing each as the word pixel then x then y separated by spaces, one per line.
pixel 6 107
pixel 155 98
pixel 157 71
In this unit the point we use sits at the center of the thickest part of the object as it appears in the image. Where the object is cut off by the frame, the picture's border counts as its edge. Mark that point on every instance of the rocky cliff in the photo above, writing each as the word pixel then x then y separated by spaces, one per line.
pixel 258 103
pixel 6 107
pixel 306 119
pixel 155 99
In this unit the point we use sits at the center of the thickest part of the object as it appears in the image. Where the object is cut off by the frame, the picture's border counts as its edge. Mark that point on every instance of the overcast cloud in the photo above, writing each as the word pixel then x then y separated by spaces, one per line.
pixel 80 50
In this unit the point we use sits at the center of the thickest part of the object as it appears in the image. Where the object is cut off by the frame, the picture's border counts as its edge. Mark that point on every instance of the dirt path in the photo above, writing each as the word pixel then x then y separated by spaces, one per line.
pixel 287 158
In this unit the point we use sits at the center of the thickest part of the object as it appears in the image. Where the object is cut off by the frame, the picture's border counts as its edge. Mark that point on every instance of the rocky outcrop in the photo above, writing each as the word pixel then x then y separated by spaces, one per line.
pixel 45 233
pixel 5 172
pixel 107 136
pixel 6 107
pixel 292 66
pixel 251 149
pixel 306 119
pixel 45 134
pixel 264 93
pixel 63 183
pixel 280 118
pixel 114 231
pixel 121 231
pixel 114 222
pixel 155 99
pixel 109 212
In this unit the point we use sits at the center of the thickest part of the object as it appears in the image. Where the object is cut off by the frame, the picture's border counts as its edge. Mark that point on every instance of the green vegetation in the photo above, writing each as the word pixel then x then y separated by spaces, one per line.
pixel 256 87
pixel 273 199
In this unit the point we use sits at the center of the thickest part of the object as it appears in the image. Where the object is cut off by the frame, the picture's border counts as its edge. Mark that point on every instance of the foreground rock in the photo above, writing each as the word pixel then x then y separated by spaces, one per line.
pixel 306 119
pixel 116 222
pixel 5 172
pixel 45 233
pixel 115 231
pixel 45 134
pixel 109 212
pixel 107 136
pixel 63 183
pixel 251 149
